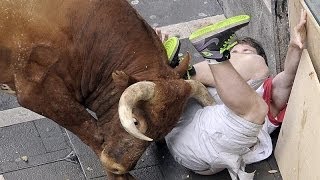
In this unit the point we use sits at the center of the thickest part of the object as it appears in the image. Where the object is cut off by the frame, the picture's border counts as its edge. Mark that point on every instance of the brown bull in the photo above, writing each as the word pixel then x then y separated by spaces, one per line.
pixel 61 57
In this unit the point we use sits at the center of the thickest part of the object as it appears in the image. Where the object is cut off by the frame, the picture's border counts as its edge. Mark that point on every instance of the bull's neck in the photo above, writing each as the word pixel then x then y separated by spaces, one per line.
pixel 104 93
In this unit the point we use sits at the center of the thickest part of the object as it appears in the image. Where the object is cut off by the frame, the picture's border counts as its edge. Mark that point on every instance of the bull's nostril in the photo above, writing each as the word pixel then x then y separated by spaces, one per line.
pixel 116 171
pixel 111 165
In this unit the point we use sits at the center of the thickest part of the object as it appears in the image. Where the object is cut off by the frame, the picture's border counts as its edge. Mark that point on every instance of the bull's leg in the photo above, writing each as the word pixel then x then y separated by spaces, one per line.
pixel 52 99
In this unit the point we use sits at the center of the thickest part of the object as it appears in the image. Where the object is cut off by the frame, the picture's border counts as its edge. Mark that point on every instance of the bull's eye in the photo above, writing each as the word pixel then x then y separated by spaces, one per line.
pixel 141 124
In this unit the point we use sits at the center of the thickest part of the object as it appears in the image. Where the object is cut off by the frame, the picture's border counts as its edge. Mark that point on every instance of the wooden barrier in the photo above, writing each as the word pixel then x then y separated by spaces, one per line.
pixel 298 146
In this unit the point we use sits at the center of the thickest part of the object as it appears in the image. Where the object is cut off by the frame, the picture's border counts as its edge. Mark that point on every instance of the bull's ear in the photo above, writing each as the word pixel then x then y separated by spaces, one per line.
pixel 41 58
pixel 122 80
pixel 183 66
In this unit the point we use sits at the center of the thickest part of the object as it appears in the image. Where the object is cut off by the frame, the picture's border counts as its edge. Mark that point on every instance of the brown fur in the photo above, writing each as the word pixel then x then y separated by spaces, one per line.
pixel 64 56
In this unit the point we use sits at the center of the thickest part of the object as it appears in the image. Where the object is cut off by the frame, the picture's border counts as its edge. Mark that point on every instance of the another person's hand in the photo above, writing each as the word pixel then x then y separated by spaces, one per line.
pixel 298 35
pixel 162 37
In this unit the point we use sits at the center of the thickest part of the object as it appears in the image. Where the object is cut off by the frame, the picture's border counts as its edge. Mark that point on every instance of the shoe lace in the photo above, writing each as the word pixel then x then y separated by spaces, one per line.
pixel 228 44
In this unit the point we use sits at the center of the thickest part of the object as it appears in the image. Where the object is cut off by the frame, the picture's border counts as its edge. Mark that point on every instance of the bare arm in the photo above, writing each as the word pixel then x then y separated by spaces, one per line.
pixel 203 74
pixel 282 83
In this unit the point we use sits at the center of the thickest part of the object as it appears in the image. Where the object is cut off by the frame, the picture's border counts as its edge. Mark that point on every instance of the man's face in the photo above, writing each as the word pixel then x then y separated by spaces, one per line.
pixel 243 49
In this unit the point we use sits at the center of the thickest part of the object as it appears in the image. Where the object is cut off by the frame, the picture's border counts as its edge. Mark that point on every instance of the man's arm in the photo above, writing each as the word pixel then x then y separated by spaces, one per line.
pixel 203 74
pixel 282 83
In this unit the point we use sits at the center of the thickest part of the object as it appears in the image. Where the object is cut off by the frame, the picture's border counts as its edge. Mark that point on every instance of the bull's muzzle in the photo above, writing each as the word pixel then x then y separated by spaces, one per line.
pixel 110 165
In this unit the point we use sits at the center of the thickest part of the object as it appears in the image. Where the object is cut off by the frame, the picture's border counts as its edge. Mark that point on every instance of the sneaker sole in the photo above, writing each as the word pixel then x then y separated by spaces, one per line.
pixel 218 27
pixel 171 46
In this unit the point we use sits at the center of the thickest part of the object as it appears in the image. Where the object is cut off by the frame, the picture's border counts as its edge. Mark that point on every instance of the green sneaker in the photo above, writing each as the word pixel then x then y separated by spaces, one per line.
pixel 190 72
pixel 214 42
pixel 172 46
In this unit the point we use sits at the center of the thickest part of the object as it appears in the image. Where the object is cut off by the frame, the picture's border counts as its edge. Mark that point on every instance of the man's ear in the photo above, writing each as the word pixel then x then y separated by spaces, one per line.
pixel 122 80
pixel 40 60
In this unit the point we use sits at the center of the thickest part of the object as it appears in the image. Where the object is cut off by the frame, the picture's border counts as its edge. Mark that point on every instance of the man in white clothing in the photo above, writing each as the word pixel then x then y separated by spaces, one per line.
pixel 234 132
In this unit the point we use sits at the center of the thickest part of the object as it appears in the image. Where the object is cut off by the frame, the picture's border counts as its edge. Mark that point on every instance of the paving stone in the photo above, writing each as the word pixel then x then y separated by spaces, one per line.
pixel 272 160
pixel 89 161
pixel 98 178
pixel 39 160
pixel 219 176
pixel 8 101
pixel 61 170
pixel 17 141
pixel 176 11
pixel 184 29
pixel 274 166
pixel 261 169
pixel 17 115
pixel 53 137
pixel 149 158
pixel 172 170
pixel 23 140
pixel 147 173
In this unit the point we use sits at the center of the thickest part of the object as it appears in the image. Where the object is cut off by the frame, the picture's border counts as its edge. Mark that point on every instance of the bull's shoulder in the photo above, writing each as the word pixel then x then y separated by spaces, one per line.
pixel 40 61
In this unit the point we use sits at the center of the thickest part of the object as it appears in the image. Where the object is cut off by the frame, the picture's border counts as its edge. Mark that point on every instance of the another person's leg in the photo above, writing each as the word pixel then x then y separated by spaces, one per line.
pixel 172 47
pixel 214 43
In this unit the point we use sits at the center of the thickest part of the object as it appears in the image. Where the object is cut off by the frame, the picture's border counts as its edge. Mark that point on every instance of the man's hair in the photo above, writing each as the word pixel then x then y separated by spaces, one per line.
pixel 255 44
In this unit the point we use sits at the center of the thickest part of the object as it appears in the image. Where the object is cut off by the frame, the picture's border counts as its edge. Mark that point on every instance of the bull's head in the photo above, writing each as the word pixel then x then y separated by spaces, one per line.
pixel 147 111
pixel 147 91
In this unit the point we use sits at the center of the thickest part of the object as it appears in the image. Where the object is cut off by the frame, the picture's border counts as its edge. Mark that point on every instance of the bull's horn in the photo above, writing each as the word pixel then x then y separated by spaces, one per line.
pixel 200 93
pixel 183 66
pixel 139 91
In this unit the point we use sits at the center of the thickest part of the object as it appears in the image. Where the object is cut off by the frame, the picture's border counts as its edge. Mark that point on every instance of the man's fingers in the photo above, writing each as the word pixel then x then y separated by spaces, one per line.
pixel 300 43
pixel 301 24
pixel 303 20
pixel 158 31
pixel 303 15
pixel 162 36
pixel 166 37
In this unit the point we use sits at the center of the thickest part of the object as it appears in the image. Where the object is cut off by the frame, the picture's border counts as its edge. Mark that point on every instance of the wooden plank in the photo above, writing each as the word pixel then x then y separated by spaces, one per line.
pixel 298 146
pixel 313 30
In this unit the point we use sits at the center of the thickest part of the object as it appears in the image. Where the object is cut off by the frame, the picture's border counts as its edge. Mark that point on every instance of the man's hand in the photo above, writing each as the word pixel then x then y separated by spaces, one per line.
pixel 298 35
pixel 162 37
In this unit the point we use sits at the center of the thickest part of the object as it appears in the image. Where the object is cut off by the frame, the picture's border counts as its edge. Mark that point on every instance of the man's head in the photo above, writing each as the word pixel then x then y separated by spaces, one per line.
pixel 248 45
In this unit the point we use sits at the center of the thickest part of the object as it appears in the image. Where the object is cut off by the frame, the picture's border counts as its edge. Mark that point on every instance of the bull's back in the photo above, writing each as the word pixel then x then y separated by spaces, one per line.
pixel 33 21
pixel 96 37
pixel 110 23
pixel 36 27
